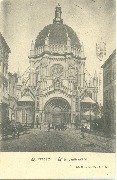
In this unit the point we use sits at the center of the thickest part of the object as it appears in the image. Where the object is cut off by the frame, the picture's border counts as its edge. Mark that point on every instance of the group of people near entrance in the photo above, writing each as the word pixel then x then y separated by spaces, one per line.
pixel 50 126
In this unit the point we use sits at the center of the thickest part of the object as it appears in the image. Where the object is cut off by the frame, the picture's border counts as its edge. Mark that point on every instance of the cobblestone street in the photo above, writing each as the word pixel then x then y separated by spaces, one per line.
pixel 56 141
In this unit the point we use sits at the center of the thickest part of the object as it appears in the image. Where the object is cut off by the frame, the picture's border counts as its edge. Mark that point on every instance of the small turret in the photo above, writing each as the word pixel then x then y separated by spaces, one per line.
pixel 68 44
pixel 95 74
pixel 68 41
pixel 95 80
pixel 58 13
pixel 32 45
pixel 90 82
pixel 82 51
pixel 46 41
pixel 32 49
pixel 46 47
pixel 18 71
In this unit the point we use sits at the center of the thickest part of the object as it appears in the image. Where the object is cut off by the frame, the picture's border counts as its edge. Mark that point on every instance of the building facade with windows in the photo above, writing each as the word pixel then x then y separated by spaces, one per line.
pixel 12 88
pixel 25 111
pixel 109 93
pixel 4 102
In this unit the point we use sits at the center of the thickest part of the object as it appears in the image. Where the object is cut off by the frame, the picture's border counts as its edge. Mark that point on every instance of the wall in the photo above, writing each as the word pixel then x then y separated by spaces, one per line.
pixel 109 93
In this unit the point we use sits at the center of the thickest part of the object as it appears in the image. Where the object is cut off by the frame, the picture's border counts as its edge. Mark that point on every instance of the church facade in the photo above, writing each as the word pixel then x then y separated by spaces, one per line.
pixel 57 74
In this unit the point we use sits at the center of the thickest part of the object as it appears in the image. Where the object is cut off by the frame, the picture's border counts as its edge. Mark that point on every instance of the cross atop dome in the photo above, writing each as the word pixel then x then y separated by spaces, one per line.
pixel 58 13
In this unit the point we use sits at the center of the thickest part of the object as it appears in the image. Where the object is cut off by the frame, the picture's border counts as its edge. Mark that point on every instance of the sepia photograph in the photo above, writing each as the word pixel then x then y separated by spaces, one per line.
pixel 58 76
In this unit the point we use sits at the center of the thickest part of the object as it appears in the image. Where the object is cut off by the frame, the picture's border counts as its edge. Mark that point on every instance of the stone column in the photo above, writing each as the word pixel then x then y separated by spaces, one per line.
pixel 73 110
pixel 78 108
pixel 82 74
pixel 31 74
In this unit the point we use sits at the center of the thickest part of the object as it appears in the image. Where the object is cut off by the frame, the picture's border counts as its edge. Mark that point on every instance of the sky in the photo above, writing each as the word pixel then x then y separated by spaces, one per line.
pixel 22 20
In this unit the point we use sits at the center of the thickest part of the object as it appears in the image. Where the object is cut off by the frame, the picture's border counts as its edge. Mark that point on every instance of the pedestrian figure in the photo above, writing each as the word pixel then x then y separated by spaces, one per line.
pixel 18 134
pixel 82 131
pixel 40 126
pixel 48 127
pixel 37 121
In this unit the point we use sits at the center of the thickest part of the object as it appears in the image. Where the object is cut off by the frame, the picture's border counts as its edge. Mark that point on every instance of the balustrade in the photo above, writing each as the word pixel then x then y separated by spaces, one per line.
pixel 55 48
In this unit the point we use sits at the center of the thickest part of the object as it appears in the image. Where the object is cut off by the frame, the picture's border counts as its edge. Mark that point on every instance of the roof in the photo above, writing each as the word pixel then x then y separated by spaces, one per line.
pixel 109 59
pixel 4 44
pixel 12 75
pixel 58 34
pixel 88 100
pixel 26 99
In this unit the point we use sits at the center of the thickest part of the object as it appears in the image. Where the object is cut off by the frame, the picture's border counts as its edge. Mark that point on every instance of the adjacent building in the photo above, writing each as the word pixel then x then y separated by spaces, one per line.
pixel 4 102
pixel 8 81
pixel 109 93
pixel 12 95
pixel 25 111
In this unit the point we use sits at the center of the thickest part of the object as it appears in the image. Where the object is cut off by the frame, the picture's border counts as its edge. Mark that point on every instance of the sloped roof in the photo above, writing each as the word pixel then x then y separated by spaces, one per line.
pixel 26 99
pixel 109 59
pixel 88 100
pixel 4 44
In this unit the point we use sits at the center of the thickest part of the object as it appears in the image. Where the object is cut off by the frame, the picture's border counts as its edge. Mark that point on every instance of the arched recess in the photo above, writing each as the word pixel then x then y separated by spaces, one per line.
pixel 57 110
pixel 57 94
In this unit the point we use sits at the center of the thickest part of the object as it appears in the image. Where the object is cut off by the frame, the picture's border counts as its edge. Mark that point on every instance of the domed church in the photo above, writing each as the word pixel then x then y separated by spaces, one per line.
pixel 57 75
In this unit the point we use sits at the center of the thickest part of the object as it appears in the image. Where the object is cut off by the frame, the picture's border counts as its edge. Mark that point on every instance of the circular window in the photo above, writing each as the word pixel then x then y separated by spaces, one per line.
pixel 57 70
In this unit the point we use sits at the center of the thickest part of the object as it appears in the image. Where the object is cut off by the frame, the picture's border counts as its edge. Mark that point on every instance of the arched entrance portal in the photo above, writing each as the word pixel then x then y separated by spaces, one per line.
pixel 57 110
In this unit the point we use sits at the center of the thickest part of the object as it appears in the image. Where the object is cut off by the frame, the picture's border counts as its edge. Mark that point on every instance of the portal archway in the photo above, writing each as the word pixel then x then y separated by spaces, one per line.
pixel 57 110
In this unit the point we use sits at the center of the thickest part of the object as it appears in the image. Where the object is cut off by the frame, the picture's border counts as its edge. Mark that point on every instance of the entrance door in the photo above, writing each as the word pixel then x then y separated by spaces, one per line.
pixel 57 118
pixel 57 110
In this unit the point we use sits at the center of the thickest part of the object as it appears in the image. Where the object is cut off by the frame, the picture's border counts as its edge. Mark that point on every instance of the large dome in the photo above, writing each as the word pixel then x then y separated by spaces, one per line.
pixel 57 35
pixel 57 32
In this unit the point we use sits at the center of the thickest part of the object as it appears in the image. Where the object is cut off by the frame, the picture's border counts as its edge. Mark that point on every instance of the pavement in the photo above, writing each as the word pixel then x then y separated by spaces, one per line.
pixel 108 144
pixel 57 141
